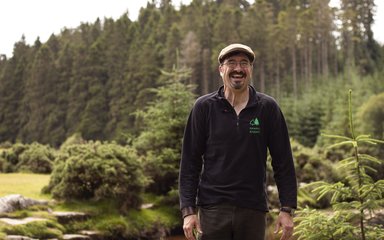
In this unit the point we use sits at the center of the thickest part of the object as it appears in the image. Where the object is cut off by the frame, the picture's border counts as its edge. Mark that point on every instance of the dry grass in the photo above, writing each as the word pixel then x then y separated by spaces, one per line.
pixel 27 184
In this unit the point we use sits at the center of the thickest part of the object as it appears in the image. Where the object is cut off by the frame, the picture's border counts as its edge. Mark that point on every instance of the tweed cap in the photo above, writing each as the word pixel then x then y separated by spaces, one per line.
pixel 236 47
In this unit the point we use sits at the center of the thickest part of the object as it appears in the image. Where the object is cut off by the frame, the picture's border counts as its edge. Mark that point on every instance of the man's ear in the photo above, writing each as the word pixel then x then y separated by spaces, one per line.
pixel 221 73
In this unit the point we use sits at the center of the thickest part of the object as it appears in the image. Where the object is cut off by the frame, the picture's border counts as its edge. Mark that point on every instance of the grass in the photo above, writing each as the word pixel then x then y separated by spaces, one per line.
pixel 27 184
pixel 105 215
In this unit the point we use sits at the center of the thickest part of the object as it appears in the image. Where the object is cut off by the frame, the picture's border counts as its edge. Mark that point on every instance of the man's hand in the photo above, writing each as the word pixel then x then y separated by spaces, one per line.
pixel 285 222
pixel 191 223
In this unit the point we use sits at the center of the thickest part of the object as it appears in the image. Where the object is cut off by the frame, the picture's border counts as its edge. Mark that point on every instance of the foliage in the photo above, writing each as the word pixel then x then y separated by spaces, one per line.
pixel 38 229
pixel 10 157
pixel 106 216
pixel 351 201
pixel 35 157
pixel 98 171
pixel 162 124
pixel 315 225
pixel 75 138
pixel 135 224
pixel 91 78
pixel 372 115
pixel 310 166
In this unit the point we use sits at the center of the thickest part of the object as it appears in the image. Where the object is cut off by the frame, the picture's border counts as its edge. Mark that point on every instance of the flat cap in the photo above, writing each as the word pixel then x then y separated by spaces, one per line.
pixel 236 47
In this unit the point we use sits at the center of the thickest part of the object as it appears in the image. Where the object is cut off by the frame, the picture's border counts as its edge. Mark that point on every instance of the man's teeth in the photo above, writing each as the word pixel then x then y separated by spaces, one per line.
pixel 237 75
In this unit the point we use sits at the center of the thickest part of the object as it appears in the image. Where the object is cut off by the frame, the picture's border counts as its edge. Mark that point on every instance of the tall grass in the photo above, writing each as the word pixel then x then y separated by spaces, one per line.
pixel 27 184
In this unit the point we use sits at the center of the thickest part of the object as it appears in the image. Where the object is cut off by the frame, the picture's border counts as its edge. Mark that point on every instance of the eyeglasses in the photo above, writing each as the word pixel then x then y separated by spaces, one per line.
pixel 233 64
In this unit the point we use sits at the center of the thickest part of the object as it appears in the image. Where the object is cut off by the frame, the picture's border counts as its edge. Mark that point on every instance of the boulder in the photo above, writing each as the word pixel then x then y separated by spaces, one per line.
pixel 15 202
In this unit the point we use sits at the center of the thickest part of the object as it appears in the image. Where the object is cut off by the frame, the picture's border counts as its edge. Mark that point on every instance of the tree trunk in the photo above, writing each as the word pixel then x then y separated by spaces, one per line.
pixel 206 71
pixel 324 55
pixel 294 77
pixel 262 76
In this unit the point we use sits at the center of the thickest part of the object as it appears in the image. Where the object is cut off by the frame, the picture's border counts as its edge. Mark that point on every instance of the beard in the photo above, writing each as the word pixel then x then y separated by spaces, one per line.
pixel 237 79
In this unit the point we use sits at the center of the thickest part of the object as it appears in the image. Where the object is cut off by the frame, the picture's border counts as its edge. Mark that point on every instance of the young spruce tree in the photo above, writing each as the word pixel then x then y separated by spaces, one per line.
pixel 353 201
pixel 163 121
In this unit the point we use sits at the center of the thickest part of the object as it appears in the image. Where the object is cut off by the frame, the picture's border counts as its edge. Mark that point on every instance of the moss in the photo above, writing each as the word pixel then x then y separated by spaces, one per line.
pixel 2 235
pixel 137 223
pixel 38 229
pixel 94 208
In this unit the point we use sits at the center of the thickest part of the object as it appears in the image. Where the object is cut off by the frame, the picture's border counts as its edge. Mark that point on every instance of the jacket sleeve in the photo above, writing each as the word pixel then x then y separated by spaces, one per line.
pixel 282 159
pixel 191 157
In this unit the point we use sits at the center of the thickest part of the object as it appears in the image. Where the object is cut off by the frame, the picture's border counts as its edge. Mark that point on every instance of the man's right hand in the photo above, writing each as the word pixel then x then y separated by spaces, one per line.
pixel 191 222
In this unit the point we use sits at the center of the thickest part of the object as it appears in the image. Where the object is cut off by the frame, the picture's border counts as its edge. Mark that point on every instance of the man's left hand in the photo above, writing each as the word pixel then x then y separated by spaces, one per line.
pixel 285 222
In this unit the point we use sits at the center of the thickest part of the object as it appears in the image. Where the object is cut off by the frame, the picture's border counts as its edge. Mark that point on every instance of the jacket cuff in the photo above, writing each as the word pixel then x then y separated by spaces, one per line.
pixel 186 211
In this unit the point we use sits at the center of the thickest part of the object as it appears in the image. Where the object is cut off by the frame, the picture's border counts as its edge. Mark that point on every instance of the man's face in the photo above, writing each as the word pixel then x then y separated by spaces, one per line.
pixel 236 72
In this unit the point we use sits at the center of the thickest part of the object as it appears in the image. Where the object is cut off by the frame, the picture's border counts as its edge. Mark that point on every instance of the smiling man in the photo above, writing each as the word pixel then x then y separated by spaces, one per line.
pixel 223 165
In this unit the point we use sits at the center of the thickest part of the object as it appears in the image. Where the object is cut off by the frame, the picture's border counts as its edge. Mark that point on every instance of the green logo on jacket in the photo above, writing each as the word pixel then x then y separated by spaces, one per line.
pixel 254 126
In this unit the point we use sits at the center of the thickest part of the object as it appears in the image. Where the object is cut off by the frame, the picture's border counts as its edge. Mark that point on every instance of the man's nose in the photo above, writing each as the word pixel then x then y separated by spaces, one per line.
pixel 238 66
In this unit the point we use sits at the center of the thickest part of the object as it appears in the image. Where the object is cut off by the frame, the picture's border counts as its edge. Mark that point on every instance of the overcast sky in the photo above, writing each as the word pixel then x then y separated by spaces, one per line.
pixel 41 18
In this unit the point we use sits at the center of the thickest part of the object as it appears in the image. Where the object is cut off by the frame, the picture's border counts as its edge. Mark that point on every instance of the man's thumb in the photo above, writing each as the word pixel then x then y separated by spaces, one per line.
pixel 277 228
pixel 198 228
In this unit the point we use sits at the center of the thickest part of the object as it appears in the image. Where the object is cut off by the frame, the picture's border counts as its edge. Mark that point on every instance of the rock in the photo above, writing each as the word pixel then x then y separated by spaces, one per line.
pixel 146 205
pixel 15 202
pixel 75 237
pixel 65 217
pixel 12 221
pixel 17 237
pixel 94 235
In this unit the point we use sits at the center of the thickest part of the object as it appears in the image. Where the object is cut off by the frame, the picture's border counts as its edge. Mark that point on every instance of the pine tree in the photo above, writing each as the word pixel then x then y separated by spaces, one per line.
pixel 163 124
pixel 39 99
pixel 94 115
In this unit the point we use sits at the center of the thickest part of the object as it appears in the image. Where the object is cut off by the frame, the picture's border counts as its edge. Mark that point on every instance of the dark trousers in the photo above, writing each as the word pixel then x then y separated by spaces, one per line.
pixel 228 222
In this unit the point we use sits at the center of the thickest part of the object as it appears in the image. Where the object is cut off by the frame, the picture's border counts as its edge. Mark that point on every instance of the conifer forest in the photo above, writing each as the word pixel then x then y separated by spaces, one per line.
pixel 122 89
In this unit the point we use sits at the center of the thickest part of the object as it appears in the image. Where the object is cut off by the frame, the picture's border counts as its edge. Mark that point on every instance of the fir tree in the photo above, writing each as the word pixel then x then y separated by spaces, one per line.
pixel 359 197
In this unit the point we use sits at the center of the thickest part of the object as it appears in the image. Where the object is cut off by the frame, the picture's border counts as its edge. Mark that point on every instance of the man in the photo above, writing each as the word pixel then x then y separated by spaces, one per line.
pixel 223 165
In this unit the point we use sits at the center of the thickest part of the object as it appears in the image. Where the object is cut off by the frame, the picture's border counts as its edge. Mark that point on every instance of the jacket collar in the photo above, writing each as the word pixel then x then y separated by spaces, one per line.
pixel 253 97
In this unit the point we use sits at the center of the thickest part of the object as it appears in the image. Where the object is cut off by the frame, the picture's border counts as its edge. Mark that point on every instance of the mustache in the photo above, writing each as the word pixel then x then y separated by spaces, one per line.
pixel 242 73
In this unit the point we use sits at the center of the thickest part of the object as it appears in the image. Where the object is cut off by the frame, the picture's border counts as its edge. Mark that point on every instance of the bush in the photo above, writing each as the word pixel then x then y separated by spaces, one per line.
pixel 35 157
pixel 98 171
pixel 311 165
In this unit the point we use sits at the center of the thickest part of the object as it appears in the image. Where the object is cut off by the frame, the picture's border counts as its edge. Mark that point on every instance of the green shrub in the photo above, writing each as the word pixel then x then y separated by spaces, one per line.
pixel 98 171
pixel 35 157
pixel 311 165
pixel 10 157
pixel 115 228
